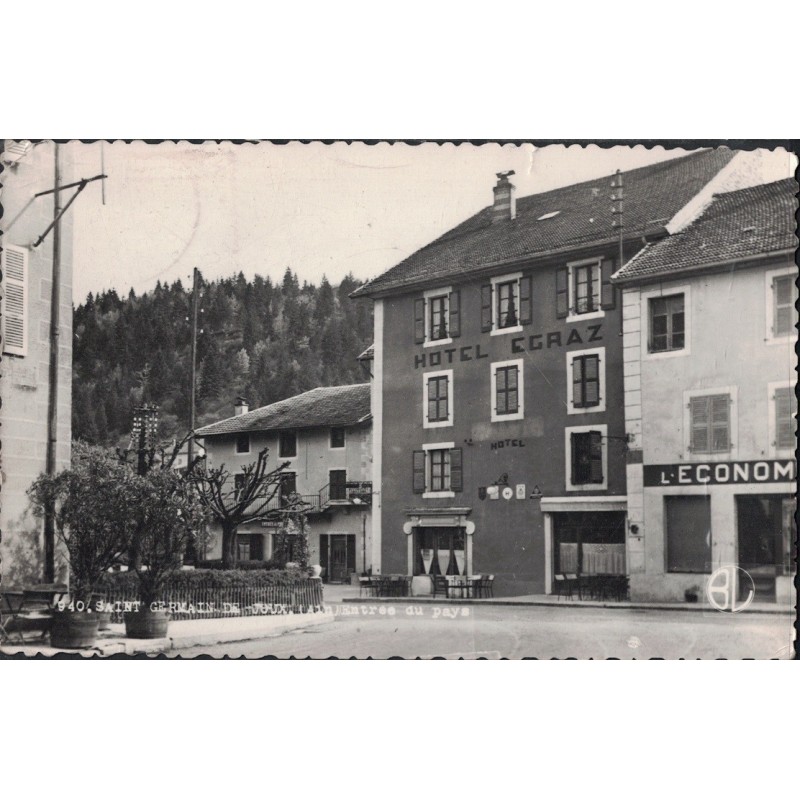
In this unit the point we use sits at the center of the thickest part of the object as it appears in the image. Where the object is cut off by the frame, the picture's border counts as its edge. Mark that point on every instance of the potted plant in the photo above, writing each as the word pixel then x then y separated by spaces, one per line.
pixel 88 503
pixel 692 594
pixel 165 516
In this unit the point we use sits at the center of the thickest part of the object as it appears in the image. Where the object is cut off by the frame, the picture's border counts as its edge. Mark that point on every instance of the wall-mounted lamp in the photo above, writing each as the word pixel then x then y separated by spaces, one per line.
pixel 634 529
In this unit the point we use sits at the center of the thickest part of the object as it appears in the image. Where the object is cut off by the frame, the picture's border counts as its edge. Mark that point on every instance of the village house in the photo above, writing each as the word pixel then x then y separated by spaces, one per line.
pixel 498 401
pixel 325 437
pixel 27 317
pixel 709 356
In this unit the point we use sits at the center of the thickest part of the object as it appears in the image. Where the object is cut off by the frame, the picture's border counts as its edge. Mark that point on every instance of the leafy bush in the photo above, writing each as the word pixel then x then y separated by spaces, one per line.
pixel 209 579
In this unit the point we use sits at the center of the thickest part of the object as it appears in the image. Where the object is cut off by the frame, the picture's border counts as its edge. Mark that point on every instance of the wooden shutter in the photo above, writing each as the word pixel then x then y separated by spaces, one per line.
pixel 577 382
pixel 525 300
pixel 608 292
pixel 720 423
pixel 486 308
pixel 15 300
pixel 456 470
pixel 323 554
pixel 418 477
pixel 596 455
pixel 419 320
pixel 574 444
pixel 698 412
pixel 454 328
pixel 562 292
pixel 785 410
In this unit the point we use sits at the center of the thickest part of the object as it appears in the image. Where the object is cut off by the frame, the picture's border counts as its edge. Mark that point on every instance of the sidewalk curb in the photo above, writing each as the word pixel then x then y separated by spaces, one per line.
pixel 616 606
pixel 121 646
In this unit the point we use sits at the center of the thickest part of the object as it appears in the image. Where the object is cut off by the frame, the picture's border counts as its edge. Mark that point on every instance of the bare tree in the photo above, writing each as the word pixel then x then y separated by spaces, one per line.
pixel 253 495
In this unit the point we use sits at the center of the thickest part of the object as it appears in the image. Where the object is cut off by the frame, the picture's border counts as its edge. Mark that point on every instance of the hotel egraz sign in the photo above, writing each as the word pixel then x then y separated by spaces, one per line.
pixel 721 472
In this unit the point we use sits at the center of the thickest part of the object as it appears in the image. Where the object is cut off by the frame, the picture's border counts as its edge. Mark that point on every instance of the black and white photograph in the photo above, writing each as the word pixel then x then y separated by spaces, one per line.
pixel 306 399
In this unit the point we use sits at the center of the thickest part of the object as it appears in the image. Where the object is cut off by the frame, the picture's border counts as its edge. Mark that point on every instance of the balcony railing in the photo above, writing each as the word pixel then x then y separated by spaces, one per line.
pixel 358 493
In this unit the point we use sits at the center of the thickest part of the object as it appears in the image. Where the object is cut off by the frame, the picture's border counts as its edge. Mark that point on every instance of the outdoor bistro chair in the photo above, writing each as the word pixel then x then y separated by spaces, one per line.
pixel 474 586
pixel 440 585
pixel 486 588
pixel 365 587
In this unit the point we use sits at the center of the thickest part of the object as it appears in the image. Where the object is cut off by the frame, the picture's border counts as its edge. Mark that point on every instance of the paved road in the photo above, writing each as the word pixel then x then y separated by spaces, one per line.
pixel 544 632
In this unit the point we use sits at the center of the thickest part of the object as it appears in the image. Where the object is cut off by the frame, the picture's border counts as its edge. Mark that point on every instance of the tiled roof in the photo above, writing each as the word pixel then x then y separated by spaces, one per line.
pixel 736 225
pixel 327 406
pixel 652 193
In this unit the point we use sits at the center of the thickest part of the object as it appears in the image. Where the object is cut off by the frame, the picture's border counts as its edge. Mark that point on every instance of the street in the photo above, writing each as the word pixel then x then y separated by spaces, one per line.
pixel 484 631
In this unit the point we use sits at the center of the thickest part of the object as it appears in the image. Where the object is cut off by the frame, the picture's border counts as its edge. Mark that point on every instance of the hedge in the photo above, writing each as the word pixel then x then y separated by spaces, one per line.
pixel 240 565
pixel 213 578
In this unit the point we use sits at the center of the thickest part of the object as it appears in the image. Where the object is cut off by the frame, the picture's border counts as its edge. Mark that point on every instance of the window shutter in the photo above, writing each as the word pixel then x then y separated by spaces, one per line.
pixel 15 300
pixel 608 294
pixel 577 382
pixel 419 320
pixel 562 296
pixel 525 300
pixel 698 411
pixel 486 308
pixel 456 470
pixel 596 454
pixel 785 410
pixel 720 416
pixel 574 441
pixel 455 314
pixel 418 479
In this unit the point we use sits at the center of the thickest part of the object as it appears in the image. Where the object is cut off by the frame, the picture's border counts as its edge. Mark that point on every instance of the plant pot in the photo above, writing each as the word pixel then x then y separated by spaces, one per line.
pixel 74 630
pixel 146 624
pixel 104 619
pixel 691 597
pixel 315 570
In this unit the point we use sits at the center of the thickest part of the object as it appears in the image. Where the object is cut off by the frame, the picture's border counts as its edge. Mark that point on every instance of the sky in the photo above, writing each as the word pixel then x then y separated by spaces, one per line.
pixel 319 209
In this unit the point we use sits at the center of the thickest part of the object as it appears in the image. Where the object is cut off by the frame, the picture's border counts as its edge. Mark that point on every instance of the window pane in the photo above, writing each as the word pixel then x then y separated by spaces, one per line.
pixel 783 289
pixel 688 533
pixel 783 320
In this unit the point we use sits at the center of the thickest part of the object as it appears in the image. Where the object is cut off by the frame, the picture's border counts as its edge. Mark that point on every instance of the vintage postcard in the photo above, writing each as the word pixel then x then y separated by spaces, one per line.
pixel 398 399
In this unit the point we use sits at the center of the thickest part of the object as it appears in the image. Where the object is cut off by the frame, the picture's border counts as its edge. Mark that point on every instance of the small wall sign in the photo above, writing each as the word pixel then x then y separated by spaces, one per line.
pixel 521 495
pixel 508 493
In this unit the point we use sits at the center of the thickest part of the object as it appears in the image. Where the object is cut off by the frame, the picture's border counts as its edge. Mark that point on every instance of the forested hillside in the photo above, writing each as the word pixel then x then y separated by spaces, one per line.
pixel 262 340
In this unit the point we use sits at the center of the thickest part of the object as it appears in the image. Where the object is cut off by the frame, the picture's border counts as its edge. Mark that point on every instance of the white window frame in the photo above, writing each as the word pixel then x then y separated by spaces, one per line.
pixel 514 276
pixel 330 445
pixel 445 292
pixel 600 352
pixel 664 291
pixel 428 495
pixel 296 446
pixel 733 424
pixel 774 450
pixel 444 373
pixel 769 337
pixel 585 487
pixel 13 350
pixel 572 316
pixel 520 414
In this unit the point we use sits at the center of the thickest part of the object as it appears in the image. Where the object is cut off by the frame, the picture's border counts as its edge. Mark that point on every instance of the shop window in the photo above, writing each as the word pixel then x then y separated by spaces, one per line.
pixel 287 444
pixel 584 287
pixel 439 551
pixel 710 423
pixel 437 316
pixel 586 387
pixel 337 438
pixel 243 443
pixel 667 323
pixel 437 470
pixel 506 304
pixel 437 388
pixel 507 391
pixel 785 413
pixel 688 533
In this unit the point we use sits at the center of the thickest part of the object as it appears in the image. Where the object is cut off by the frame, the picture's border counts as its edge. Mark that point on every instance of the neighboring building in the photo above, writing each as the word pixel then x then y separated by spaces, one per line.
pixel 499 431
pixel 325 436
pixel 709 342
pixel 26 324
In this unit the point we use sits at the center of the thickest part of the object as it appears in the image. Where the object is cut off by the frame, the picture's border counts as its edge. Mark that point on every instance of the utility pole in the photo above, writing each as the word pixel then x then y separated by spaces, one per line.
pixel 193 368
pixel 617 212
pixel 52 395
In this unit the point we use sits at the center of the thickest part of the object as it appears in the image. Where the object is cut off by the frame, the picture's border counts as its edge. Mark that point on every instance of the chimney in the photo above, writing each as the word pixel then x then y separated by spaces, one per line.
pixel 505 205
pixel 240 407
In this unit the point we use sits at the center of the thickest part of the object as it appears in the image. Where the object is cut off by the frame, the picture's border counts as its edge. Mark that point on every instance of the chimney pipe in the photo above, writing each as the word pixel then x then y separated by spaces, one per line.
pixel 240 407
pixel 505 204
